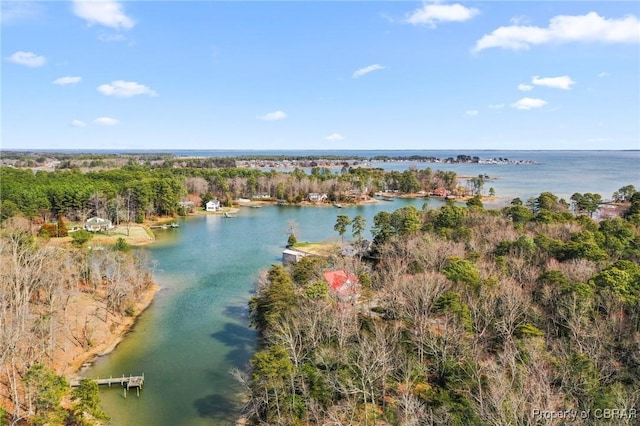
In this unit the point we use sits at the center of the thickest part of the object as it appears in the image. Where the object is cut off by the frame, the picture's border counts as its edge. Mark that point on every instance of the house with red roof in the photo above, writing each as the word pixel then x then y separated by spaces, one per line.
pixel 345 286
pixel 440 192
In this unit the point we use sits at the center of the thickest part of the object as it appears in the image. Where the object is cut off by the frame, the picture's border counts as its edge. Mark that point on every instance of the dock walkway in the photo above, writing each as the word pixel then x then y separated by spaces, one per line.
pixel 127 382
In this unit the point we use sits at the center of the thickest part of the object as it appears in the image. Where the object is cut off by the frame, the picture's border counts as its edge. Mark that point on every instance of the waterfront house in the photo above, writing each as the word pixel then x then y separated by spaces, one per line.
pixel 440 192
pixel 96 224
pixel 344 286
pixel 315 197
pixel 213 206
pixel 262 196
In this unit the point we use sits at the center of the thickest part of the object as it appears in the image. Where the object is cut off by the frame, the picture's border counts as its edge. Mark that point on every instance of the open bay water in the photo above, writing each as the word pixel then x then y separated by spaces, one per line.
pixel 197 328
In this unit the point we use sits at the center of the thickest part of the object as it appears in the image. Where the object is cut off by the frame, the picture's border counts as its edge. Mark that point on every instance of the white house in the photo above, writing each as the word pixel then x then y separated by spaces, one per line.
pixel 315 197
pixel 96 224
pixel 213 206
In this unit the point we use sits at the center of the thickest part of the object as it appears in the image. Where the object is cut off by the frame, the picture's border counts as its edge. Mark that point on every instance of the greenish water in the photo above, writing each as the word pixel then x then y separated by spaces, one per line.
pixel 197 330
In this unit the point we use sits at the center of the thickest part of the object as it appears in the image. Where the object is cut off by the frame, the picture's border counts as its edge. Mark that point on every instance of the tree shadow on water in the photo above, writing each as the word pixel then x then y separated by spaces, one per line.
pixel 220 408
pixel 240 339
pixel 238 312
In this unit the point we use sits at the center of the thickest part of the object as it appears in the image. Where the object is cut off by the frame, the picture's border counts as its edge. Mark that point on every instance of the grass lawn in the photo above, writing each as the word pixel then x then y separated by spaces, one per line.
pixel 320 249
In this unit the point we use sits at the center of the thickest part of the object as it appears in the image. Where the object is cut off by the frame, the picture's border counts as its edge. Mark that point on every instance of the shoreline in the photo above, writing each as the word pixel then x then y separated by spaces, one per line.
pixel 85 359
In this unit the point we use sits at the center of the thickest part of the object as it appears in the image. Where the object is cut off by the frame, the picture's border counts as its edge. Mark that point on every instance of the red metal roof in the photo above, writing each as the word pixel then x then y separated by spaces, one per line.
pixel 342 282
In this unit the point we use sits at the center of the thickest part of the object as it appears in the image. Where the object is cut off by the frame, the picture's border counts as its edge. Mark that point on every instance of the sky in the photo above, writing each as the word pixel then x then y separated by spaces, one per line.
pixel 320 75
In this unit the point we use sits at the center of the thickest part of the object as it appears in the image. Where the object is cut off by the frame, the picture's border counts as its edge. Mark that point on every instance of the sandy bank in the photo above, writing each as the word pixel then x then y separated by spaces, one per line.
pixel 106 335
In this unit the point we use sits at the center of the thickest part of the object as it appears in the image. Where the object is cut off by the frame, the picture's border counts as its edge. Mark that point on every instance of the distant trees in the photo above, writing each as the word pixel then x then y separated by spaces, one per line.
pixel 136 191
pixel 477 184
pixel 624 194
pixel 78 196
pixel 586 203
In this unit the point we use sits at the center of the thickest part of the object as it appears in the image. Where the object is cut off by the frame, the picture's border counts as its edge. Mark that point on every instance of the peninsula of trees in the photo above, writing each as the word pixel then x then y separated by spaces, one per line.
pixel 465 316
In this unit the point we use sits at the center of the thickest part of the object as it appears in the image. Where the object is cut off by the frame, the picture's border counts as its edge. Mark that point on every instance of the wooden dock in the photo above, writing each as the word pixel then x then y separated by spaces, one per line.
pixel 127 382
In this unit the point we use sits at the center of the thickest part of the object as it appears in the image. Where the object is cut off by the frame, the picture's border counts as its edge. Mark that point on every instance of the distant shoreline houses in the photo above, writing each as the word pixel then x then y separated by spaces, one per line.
pixel 369 162
pixel 316 197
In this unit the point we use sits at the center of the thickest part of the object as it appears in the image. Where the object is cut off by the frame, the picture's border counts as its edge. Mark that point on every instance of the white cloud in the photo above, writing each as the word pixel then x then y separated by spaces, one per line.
pixel 125 89
pixel 472 112
pixel 273 116
pixel 524 87
pixel 367 70
pixel 496 106
pixel 109 13
pixel 334 137
pixel 529 103
pixel 28 59
pixel 563 82
pixel 106 121
pixel 564 29
pixel 78 123
pixel 434 13
pixel 603 74
pixel 63 81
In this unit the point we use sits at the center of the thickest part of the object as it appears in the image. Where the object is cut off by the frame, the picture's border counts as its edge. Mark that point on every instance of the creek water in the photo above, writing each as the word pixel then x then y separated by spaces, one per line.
pixel 197 329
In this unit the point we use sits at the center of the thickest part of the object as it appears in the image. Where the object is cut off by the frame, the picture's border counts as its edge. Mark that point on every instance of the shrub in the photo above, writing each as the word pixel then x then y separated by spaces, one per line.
pixel 122 245
pixel 81 237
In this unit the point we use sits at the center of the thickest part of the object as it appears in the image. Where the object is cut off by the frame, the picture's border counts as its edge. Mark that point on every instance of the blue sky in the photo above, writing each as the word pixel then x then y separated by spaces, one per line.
pixel 320 75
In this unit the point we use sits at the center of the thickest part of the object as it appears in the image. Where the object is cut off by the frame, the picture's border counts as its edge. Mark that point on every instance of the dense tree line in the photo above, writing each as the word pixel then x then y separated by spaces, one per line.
pixel 136 192
pixel 54 300
pixel 466 317
pixel 130 193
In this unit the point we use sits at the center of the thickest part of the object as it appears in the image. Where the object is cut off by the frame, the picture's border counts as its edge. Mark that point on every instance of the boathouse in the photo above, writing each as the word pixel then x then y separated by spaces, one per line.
pixel 290 256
